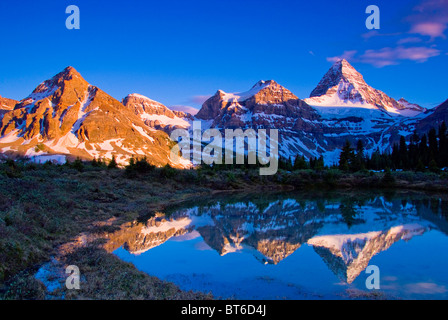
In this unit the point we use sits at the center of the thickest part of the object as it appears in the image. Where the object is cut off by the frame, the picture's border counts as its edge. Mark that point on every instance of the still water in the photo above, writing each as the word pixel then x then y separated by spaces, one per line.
pixel 297 246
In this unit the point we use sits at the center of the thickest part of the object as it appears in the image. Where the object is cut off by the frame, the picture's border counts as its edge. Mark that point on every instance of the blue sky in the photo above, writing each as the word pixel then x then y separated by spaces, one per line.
pixel 178 52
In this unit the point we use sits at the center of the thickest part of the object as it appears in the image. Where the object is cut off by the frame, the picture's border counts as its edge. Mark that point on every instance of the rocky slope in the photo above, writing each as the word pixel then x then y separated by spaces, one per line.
pixel 156 115
pixel 434 118
pixel 6 105
pixel 266 105
pixel 66 116
pixel 348 255
pixel 342 107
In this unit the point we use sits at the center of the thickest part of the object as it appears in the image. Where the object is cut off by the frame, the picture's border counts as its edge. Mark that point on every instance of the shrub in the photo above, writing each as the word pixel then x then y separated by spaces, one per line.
pixel 167 171
pixel 113 163
pixel 78 165
pixel 433 166
pixel 388 178
pixel 12 170
pixel 141 166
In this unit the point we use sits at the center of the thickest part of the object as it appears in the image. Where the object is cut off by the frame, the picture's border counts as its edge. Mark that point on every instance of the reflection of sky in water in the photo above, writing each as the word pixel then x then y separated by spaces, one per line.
pixel 412 259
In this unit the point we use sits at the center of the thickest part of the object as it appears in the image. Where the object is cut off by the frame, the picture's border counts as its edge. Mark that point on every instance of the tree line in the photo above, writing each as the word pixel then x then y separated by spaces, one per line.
pixel 418 153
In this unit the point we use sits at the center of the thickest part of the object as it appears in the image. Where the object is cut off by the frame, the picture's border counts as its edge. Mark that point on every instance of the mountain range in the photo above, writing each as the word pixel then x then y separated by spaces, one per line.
pixel 65 117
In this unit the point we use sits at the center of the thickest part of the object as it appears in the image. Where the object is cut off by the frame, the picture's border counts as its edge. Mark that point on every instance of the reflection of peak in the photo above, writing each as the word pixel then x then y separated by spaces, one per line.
pixel 270 233
pixel 218 240
pixel 348 255
pixel 276 249
pixel 273 230
pixel 139 238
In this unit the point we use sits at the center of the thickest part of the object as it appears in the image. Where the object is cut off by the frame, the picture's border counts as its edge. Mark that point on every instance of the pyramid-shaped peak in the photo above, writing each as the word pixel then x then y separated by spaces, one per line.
pixel 343 67
pixel 67 79
pixel 68 73
pixel 342 62
pixel 70 69
pixel 341 70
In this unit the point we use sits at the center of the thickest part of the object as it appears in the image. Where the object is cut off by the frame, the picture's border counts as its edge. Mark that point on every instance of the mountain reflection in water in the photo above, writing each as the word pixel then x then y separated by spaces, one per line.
pixel 345 230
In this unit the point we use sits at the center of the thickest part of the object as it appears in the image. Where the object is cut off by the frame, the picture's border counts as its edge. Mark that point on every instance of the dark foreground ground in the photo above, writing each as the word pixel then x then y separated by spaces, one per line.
pixel 53 212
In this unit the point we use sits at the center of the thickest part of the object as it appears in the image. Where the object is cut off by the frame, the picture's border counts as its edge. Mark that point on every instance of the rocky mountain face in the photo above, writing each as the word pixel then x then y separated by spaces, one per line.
pixel 156 115
pixel 6 105
pixel 266 105
pixel 434 118
pixel 66 116
pixel 411 106
pixel 342 107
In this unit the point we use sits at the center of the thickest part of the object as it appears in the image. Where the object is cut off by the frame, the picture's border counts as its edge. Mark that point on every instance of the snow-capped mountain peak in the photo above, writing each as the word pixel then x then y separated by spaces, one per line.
pixel 243 96
pixel 343 76
pixel 344 86
pixel 66 117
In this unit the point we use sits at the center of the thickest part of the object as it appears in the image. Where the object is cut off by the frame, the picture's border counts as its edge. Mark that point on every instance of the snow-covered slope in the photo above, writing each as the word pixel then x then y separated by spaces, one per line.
pixel 344 86
pixel 342 107
pixel 155 114
pixel 67 117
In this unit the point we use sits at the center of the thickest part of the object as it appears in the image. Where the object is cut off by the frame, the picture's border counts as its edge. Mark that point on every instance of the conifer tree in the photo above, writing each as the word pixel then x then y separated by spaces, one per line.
pixel 347 157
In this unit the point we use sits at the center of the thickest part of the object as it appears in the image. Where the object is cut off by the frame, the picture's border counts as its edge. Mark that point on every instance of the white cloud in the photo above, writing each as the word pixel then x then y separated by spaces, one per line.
pixel 347 55
pixel 389 56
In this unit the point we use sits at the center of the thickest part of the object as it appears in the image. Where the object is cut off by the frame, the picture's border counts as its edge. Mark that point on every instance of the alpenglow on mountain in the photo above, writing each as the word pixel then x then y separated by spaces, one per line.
pixel 65 117
pixel 342 85
pixel 342 107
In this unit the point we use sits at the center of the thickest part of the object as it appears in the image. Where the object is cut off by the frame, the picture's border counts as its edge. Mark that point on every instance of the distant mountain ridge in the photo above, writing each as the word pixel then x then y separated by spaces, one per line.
pixel 156 115
pixel 342 107
pixel 66 117
pixel 6 105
